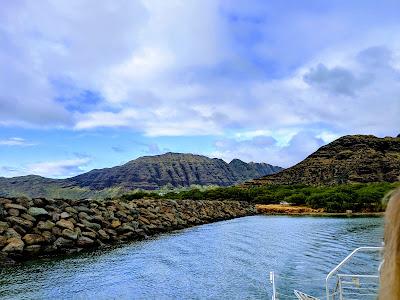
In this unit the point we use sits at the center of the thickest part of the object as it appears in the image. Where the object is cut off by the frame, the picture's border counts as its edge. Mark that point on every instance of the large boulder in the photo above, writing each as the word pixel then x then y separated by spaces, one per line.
pixel 14 245
pixel 84 242
pixel 65 224
pixel 63 243
pixel 14 206
pixel 65 215
pixel 91 225
pixel 68 233
pixel 33 249
pixel 21 222
pixel 47 225
pixel 33 238
pixel 37 211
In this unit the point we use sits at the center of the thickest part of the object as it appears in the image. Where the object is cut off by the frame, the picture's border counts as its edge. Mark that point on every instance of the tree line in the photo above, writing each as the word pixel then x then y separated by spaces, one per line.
pixel 367 197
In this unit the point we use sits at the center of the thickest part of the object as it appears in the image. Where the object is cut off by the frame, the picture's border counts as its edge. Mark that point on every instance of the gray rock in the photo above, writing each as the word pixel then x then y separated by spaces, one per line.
pixel 71 210
pixel 67 233
pixel 13 212
pixel 84 242
pixel 83 209
pixel 91 225
pixel 28 217
pixel 37 211
pixel 11 233
pixel 33 249
pixel 90 234
pixel 47 225
pixel 15 206
pixel 65 215
pixel 20 221
pixel 62 242
pixel 65 224
pixel 125 228
pixel 103 235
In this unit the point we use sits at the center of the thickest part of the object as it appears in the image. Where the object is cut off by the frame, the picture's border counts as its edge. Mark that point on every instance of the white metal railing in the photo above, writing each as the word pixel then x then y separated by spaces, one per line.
pixel 354 286
pixel 363 286
pixel 340 283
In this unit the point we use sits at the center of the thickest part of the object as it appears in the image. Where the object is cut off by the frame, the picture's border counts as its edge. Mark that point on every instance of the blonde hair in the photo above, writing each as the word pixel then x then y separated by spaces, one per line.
pixel 390 272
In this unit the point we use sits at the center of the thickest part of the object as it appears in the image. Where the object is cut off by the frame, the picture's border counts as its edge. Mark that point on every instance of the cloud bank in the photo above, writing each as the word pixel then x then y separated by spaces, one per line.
pixel 213 68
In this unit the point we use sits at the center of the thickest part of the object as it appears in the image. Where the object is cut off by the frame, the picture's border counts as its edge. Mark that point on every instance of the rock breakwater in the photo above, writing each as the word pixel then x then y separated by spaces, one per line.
pixel 40 227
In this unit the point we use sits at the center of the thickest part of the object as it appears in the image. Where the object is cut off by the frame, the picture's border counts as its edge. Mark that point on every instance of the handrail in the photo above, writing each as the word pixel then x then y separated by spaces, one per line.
pixel 344 261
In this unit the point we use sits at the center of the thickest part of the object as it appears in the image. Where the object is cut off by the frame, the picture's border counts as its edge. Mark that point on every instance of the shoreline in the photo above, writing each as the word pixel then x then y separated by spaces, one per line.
pixel 289 210
pixel 353 215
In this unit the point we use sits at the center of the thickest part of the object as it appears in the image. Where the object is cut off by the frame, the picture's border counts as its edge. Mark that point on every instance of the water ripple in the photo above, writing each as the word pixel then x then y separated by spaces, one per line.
pixel 225 260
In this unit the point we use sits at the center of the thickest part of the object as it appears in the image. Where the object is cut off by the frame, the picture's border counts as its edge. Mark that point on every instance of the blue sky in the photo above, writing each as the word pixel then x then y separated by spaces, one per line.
pixel 88 84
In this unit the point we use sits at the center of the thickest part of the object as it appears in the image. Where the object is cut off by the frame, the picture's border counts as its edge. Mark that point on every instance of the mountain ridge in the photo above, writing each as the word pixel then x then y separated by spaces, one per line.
pixel 176 169
pixel 348 159
pixel 146 172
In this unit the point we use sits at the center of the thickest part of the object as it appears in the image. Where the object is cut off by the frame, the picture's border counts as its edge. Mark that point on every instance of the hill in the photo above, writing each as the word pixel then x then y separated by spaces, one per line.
pixel 148 172
pixel 174 169
pixel 349 159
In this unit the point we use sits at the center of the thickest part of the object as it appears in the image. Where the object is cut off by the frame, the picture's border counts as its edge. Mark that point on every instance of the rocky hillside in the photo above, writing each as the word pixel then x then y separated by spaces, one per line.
pixel 148 172
pixel 349 159
pixel 176 169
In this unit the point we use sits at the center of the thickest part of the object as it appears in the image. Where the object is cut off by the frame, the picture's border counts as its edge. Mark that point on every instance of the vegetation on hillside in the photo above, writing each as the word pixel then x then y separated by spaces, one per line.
pixel 357 197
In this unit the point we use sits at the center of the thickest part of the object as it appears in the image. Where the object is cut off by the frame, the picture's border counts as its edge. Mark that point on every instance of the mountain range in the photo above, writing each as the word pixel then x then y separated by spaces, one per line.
pixel 147 172
pixel 349 159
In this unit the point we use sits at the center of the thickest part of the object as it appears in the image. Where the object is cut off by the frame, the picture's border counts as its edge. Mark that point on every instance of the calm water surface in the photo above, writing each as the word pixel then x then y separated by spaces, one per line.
pixel 224 260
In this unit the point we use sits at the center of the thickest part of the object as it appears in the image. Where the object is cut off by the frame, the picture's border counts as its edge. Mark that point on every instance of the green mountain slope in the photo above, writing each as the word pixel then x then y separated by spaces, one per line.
pixel 148 172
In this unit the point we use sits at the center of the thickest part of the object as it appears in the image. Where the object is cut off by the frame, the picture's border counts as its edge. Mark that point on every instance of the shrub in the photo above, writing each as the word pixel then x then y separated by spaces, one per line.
pixel 297 199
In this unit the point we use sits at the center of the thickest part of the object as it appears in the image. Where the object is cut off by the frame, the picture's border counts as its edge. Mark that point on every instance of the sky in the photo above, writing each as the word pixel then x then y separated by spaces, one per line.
pixel 91 84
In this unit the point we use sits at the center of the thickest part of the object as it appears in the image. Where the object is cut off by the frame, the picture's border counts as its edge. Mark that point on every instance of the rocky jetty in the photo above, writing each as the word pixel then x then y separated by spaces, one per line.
pixel 40 227
pixel 349 159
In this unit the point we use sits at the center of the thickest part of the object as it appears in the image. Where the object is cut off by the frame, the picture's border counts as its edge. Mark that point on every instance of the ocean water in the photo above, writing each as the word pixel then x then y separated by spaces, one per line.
pixel 224 260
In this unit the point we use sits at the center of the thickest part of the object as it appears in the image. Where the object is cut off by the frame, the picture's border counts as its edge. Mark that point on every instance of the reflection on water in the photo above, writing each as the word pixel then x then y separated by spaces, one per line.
pixel 224 260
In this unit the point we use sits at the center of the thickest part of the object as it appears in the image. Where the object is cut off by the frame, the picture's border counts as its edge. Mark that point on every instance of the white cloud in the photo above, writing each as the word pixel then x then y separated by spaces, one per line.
pixel 169 68
pixel 107 119
pixel 266 149
pixel 8 171
pixel 15 141
pixel 59 168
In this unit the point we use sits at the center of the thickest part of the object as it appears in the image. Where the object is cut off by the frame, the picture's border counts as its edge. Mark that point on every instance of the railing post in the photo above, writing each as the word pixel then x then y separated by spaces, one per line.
pixel 340 288
pixel 272 280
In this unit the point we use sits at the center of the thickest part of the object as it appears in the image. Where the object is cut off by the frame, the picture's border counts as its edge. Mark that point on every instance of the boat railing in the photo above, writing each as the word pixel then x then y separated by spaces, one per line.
pixel 364 286
pixel 352 284
pixel 346 287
